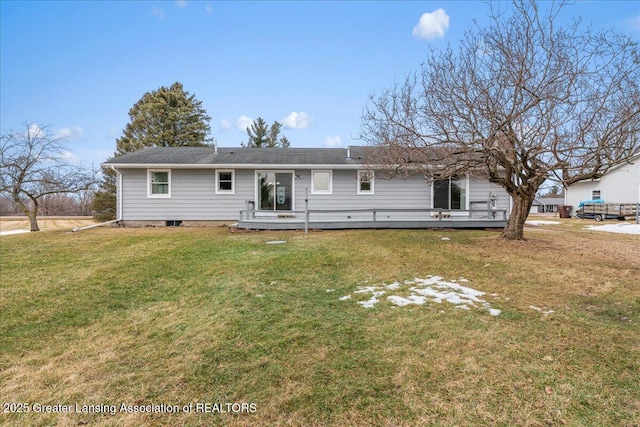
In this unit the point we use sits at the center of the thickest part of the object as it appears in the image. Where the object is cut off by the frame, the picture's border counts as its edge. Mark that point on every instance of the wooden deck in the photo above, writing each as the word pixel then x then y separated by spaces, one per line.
pixel 371 219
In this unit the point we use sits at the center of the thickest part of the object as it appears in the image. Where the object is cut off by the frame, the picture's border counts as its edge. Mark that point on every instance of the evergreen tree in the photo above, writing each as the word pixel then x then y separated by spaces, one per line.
pixel 262 136
pixel 167 117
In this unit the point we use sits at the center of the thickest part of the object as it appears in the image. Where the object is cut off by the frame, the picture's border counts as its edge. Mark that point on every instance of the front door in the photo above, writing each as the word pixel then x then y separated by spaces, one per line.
pixel 275 191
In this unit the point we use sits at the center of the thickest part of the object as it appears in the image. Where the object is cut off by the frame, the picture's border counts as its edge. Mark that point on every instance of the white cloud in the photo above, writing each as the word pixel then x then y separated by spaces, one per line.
pixel 69 157
pixel 225 125
pixel 295 120
pixel 157 12
pixel 432 25
pixel 63 133
pixel 181 3
pixel 332 141
pixel 243 122
pixel 69 132
pixel 34 130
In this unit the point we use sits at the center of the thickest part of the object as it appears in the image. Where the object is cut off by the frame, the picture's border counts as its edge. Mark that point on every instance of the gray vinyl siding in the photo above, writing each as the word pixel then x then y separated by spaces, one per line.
pixel 413 193
pixel 480 190
pixel 396 193
pixel 193 195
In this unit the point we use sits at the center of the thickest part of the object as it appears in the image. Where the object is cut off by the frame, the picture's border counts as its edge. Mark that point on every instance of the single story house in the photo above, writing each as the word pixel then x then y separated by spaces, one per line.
pixel 191 185
pixel 620 185
pixel 546 204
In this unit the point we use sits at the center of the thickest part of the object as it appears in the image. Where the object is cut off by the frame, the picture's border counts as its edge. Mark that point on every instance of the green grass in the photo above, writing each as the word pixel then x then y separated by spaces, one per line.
pixel 201 315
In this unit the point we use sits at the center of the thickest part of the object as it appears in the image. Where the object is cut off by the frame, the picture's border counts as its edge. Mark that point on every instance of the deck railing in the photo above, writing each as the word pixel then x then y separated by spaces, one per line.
pixel 373 214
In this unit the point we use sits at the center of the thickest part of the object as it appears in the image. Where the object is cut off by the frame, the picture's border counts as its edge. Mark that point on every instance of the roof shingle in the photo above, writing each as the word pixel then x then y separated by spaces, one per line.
pixel 240 156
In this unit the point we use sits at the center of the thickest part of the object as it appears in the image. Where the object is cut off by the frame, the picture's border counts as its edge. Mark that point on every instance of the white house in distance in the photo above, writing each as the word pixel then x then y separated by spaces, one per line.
pixel 620 185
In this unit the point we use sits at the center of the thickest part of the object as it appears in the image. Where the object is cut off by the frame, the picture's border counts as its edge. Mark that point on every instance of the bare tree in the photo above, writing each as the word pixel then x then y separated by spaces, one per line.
pixel 84 201
pixel 520 101
pixel 33 167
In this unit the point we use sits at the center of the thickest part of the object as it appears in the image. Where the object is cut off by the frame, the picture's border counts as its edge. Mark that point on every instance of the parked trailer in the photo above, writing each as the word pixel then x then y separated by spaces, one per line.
pixel 602 211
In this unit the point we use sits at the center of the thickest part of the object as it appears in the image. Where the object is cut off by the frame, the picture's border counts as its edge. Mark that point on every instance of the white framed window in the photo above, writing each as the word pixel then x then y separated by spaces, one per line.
pixel 225 181
pixel 159 183
pixel 596 195
pixel 365 182
pixel 321 182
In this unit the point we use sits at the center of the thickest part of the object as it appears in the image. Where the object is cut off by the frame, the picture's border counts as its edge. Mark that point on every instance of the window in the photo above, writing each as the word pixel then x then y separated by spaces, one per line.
pixel 450 193
pixel 225 182
pixel 365 182
pixel 321 182
pixel 159 183
pixel 595 195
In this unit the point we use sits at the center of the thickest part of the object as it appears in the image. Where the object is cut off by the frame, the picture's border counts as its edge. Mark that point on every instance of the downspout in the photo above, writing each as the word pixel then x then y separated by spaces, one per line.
pixel 119 194
pixel 118 206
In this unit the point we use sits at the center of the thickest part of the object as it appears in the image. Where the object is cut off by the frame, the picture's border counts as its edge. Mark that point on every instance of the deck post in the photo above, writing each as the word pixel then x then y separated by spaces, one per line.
pixel 374 216
pixel 306 211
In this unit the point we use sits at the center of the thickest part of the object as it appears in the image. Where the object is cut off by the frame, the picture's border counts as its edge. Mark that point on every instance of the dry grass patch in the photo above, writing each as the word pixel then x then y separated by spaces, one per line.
pixel 45 223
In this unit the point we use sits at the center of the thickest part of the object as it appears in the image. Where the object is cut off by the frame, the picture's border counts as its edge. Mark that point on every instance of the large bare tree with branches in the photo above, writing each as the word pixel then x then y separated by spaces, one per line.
pixel 520 101
pixel 32 164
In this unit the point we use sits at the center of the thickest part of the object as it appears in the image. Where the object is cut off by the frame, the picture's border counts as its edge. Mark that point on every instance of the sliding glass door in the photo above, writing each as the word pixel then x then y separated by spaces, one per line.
pixel 275 191
pixel 450 193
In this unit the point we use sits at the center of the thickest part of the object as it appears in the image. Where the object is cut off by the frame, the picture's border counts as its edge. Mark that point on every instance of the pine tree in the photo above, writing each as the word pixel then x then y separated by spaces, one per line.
pixel 262 136
pixel 167 117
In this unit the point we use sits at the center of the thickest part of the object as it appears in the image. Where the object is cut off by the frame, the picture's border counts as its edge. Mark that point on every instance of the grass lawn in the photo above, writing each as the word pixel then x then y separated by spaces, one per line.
pixel 205 317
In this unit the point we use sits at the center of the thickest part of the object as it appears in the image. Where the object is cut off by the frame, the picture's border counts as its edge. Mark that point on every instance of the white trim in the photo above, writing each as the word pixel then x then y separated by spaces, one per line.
pixel 150 194
pixel 233 181
pixel 118 194
pixel 313 189
pixel 373 180
pixel 467 194
pixel 257 195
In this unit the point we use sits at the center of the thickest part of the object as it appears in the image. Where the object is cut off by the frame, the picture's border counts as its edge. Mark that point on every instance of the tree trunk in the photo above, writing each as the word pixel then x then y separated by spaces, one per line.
pixel 514 230
pixel 32 213
pixel 33 220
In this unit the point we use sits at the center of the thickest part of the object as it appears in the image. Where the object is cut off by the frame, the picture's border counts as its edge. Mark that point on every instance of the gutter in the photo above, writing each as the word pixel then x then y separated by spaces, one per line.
pixel 259 166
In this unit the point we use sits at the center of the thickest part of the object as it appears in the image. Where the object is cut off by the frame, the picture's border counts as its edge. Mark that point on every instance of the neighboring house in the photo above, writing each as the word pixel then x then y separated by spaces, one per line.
pixel 160 185
pixel 546 204
pixel 620 185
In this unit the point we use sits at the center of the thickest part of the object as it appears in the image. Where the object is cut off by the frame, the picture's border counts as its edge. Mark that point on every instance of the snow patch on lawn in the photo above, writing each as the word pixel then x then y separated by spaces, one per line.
pixel 541 310
pixel 431 289
pixel 623 228
pixel 541 222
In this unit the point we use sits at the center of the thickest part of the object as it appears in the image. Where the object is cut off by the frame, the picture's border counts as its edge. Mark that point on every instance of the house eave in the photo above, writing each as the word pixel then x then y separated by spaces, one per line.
pixel 233 166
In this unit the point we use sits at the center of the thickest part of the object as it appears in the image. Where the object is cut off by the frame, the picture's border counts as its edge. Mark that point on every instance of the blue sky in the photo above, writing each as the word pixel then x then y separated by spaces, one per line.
pixel 80 66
